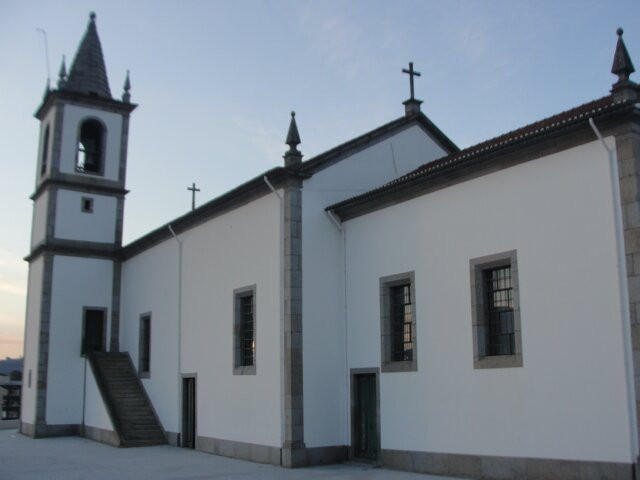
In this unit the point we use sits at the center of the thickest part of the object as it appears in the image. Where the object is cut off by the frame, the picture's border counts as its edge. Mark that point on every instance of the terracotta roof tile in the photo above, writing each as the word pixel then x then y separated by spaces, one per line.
pixel 543 127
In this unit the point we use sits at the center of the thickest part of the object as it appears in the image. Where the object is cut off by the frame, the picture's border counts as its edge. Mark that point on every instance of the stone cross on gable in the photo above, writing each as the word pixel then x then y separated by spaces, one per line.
pixel 193 190
pixel 412 73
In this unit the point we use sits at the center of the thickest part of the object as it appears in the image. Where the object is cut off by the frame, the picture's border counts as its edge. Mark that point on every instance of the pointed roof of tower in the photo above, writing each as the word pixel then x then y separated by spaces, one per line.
pixel 88 73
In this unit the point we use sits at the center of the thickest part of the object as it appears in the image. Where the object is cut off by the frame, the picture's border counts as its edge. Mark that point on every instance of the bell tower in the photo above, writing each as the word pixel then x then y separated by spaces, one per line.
pixel 74 270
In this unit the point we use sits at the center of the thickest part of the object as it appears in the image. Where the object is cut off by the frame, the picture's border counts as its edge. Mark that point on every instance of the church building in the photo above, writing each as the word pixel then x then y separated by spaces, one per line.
pixel 473 313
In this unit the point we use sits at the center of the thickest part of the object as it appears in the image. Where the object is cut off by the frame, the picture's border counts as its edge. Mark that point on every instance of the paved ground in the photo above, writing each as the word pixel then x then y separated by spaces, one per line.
pixel 74 458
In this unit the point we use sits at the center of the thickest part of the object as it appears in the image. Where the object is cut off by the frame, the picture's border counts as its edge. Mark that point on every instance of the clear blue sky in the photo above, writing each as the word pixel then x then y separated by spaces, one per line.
pixel 216 80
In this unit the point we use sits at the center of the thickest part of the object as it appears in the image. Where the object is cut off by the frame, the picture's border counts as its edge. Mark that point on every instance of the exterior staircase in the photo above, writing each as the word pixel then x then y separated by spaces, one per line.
pixel 126 400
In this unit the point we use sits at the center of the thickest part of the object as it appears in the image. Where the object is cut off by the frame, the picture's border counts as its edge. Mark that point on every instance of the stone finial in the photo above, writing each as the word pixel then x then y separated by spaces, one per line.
pixel 126 96
pixel 624 88
pixel 412 106
pixel 292 156
pixel 92 16
pixel 622 66
pixel 62 74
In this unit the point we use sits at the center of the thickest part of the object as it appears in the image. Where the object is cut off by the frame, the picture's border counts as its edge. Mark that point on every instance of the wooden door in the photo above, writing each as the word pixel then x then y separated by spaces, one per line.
pixel 189 412
pixel 365 417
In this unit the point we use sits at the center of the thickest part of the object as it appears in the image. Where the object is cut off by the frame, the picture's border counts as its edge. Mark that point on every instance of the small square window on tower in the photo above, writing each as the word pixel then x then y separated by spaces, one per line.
pixel 87 204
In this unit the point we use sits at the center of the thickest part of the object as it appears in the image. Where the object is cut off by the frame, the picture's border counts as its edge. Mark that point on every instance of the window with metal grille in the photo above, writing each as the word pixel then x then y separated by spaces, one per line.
pixel 398 323
pixel 244 331
pixel 499 311
pixel 401 323
pixel 247 339
pixel 495 311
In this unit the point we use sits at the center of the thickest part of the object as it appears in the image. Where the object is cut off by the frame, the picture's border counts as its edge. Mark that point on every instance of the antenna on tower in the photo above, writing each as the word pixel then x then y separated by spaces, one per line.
pixel 46 53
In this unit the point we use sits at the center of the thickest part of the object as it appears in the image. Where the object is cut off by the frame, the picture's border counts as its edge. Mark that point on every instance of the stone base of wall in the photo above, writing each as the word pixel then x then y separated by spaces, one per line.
pixel 101 435
pixel 244 451
pixel 272 455
pixel 327 455
pixel 504 468
pixel 9 424
pixel 173 438
pixel 44 430
pixel 28 429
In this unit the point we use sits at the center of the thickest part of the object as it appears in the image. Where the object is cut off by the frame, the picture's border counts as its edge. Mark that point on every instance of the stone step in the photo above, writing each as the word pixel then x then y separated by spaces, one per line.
pixel 142 443
pixel 136 420
pixel 135 416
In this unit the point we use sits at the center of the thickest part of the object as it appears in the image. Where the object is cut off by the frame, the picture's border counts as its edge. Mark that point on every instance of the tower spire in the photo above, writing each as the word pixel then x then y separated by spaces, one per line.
pixel 62 74
pixel 88 74
pixel 624 88
pixel 292 156
pixel 126 96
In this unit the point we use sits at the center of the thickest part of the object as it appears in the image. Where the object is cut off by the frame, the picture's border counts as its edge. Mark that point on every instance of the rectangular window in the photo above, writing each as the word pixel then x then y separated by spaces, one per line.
pixel 144 360
pixel 244 327
pixel 45 151
pixel 401 323
pixel 496 311
pixel 499 311
pixel 398 323
pixel 87 205
pixel 247 343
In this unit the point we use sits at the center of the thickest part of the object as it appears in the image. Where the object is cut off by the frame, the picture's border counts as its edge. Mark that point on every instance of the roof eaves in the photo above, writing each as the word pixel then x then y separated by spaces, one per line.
pixel 477 152
pixel 241 195
pixel 110 104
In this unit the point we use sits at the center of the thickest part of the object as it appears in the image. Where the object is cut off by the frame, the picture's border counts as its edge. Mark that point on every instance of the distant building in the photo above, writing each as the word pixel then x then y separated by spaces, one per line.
pixel 395 299
pixel 10 388
pixel 9 365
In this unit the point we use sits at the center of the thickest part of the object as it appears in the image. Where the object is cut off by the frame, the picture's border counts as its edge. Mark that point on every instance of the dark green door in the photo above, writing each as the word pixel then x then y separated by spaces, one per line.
pixel 365 417
pixel 189 412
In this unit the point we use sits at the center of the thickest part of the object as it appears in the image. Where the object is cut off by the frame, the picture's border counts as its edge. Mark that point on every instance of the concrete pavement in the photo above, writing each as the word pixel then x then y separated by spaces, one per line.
pixel 75 458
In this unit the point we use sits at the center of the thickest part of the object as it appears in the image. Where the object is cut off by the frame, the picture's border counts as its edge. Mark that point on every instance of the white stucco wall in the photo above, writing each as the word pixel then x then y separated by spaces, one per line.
pixel 77 282
pixel 325 380
pixel 73 116
pixel 74 224
pixel 95 412
pixel 150 284
pixel 568 400
pixel 235 250
pixel 39 224
pixel 31 341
